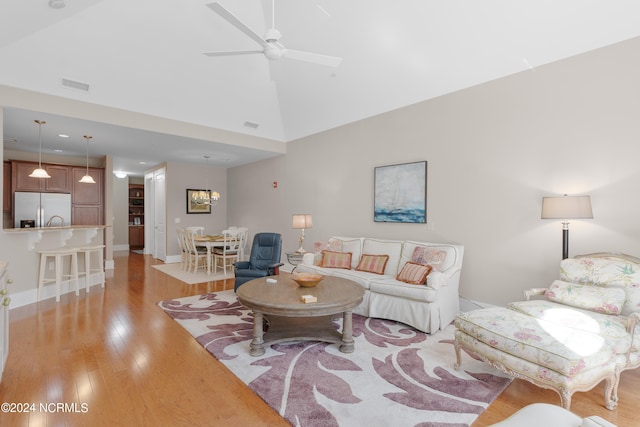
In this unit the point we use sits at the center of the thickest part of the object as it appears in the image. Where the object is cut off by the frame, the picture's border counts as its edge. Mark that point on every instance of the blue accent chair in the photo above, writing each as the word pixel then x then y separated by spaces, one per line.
pixel 263 261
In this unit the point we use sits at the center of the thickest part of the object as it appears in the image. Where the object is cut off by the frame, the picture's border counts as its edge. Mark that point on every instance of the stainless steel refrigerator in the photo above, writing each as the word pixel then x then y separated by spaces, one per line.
pixel 39 208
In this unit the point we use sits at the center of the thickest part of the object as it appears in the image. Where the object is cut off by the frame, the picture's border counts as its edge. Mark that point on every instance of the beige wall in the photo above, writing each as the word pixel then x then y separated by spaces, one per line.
pixel 120 213
pixel 494 151
pixel 180 177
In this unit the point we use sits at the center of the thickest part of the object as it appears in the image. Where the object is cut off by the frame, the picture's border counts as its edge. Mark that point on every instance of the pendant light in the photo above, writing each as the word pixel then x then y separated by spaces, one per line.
pixel 87 179
pixel 39 172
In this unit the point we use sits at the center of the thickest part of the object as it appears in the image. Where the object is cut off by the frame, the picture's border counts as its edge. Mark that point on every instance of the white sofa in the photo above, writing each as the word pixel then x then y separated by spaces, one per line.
pixel 427 307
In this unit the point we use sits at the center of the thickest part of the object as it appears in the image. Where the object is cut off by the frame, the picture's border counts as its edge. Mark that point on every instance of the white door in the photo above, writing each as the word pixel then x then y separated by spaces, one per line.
pixel 160 215
pixel 149 215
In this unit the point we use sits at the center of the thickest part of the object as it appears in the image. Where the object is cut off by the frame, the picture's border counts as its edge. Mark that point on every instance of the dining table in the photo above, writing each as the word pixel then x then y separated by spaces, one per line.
pixel 209 241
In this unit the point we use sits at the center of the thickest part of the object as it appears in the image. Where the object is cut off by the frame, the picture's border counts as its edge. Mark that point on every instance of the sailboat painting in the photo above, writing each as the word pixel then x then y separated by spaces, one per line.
pixel 401 193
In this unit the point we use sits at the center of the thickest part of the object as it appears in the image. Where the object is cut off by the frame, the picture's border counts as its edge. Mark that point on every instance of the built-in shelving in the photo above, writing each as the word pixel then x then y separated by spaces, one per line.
pixel 136 216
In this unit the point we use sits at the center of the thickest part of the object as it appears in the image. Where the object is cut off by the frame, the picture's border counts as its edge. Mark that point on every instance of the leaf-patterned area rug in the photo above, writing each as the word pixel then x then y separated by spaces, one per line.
pixel 396 375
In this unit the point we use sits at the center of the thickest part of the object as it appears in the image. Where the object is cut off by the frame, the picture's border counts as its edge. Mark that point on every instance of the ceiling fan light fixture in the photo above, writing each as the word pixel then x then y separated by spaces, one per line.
pixel 271 47
pixel 273 52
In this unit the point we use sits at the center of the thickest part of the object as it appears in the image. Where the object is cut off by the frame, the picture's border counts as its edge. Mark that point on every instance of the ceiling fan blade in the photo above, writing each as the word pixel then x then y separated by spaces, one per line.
pixel 233 52
pixel 230 18
pixel 316 58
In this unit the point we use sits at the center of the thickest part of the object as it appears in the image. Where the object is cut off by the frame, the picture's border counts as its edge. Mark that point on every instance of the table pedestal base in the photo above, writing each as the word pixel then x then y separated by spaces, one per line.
pixel 283 329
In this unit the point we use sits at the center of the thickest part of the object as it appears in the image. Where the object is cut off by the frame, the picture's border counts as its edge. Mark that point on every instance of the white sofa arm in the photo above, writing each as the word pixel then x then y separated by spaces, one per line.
pixel 309 258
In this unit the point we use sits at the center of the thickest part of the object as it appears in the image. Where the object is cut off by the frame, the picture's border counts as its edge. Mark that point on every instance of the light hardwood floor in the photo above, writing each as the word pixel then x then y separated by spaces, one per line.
pixel 117 352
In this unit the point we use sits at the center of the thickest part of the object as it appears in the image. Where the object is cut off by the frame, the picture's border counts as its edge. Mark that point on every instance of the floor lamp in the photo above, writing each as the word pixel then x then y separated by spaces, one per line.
pixel 566 208
pixel 301 221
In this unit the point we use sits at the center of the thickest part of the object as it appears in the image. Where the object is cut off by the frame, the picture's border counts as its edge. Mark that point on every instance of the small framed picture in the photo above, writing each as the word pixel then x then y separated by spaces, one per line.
pixel 198 201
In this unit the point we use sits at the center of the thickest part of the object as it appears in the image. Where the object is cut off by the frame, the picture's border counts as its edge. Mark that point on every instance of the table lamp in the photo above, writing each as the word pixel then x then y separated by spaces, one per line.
pixel 566 208
pixel 301 221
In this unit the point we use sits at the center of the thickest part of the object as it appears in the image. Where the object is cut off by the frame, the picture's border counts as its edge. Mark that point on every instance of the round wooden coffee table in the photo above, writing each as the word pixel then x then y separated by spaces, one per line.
pixel 290 319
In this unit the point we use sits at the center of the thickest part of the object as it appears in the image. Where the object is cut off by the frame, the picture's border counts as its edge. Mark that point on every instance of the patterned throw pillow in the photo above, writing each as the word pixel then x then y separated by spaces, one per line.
pixel 589 297
pixel 428 256
pixel 332 245
pixel 331 259
pixel 373 263
pixel 414 273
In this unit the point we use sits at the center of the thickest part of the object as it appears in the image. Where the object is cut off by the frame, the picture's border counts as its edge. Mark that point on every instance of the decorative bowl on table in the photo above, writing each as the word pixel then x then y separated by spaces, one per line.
pixel 307 280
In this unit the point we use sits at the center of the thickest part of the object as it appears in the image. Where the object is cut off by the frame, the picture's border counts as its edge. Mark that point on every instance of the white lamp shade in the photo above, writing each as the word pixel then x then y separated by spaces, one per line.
pixel 566 207
pixel 302 221
pixel 39 173
pixel 87 179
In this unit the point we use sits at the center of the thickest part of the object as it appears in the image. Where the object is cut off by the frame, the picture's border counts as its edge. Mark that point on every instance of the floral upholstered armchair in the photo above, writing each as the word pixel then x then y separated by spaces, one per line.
pixel 583 329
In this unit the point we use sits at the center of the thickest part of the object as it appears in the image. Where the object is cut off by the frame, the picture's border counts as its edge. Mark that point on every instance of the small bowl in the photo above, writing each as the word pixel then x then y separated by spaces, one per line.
pixel 307 280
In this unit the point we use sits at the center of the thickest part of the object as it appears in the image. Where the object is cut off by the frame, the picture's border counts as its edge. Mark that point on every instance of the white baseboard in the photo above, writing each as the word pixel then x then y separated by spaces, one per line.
pixel 170 259
pixel 49 291
pixel 469 305
pixel 120 247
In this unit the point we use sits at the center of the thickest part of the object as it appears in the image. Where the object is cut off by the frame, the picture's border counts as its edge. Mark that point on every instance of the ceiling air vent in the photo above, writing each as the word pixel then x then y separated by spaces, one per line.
pixel 251 125
pixel 72 84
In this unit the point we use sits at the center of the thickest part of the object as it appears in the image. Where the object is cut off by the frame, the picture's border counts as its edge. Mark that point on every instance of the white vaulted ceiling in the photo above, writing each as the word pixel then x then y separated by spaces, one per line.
pixel 145 56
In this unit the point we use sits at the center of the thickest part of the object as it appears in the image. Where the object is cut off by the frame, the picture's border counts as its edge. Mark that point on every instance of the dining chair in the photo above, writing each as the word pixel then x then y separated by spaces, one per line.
pixel 196 253
pixel 196 229
pixel 226 255
pixel 244 236
pixel 185 261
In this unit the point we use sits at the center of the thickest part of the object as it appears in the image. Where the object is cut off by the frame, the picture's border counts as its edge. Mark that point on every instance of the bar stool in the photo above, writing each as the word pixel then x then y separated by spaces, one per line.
pixel 88 270
pixel 58 255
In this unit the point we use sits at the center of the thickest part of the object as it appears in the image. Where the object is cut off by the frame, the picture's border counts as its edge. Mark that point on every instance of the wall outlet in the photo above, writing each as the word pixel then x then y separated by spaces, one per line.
pixel 51 265
pixel 177 220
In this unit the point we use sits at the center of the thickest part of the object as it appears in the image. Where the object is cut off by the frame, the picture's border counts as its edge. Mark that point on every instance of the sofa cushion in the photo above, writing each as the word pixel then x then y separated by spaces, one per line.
pixel 331 245
pixel 414 273
pixel 349 244
pixel 392 248
pixel 373 263
pixel 404 290
pixel 613 328
pixel 606 271
pixel 362 278
pixel 332 259
pixel 409 248
pixel 590 297
pixel 429 256
pixel 563 349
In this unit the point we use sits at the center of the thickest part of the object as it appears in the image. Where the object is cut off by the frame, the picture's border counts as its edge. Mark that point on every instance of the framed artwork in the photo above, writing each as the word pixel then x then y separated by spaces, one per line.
pixel 400 193
pixel 193 206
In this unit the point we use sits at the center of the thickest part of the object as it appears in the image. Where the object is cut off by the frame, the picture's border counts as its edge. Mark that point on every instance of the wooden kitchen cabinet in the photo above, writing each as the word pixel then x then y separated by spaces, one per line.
pixel 6 188
pixel 60 181
pixel 87 200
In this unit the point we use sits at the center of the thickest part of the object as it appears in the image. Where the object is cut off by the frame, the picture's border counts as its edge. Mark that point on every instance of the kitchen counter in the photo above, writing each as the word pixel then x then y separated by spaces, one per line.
pixel 56 228
pixel 57 237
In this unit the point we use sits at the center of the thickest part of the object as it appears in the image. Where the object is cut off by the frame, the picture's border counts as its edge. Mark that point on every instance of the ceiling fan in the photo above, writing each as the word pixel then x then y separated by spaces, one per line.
pixel 271 48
